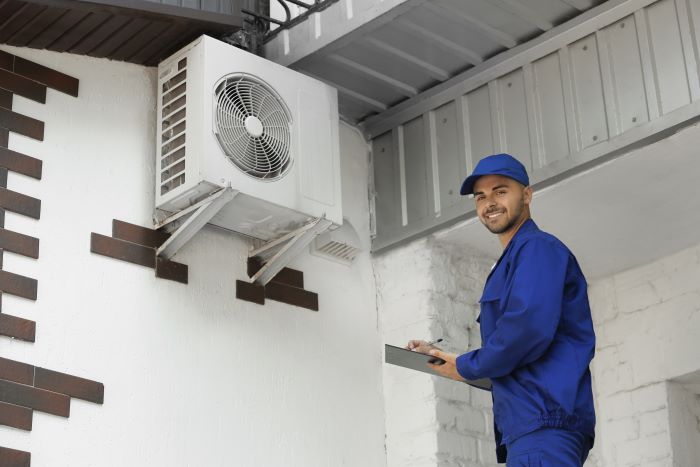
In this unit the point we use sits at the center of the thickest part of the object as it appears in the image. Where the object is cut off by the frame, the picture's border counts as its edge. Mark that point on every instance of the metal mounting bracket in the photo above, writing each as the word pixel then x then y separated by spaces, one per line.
pixel 200 214
pixel 281 253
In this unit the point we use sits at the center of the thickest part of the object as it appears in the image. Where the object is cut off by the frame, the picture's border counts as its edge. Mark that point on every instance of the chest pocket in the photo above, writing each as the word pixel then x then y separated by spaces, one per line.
pixel 491 311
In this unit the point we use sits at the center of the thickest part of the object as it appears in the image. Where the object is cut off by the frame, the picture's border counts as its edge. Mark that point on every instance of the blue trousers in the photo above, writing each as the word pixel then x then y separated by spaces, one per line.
pixel 549 447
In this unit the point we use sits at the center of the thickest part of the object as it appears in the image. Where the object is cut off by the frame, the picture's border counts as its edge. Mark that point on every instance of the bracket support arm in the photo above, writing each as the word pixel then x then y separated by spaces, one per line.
pixel 204 213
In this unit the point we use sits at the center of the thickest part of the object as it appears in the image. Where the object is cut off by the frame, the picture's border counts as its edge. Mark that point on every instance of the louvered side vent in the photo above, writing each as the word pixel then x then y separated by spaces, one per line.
pixel 339 251
pixel 173 128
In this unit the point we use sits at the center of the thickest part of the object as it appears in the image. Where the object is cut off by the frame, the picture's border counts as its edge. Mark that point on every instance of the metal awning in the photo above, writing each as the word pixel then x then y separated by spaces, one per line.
pixel 411 46
pixel 136 31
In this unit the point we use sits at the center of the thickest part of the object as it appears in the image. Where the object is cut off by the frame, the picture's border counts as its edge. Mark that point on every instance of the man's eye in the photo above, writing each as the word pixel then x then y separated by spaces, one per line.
pixel 501 193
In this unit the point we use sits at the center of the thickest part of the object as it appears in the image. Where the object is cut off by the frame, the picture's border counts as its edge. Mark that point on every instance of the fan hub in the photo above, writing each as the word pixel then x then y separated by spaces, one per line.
pixel 253 126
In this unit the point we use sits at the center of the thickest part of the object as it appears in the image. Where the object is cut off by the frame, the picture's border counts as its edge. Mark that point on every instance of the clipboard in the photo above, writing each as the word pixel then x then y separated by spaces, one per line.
pixel 419 362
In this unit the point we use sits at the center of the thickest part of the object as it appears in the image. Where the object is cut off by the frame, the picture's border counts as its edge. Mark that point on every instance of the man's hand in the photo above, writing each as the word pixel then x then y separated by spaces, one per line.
pixel 447 369
pixel 420 346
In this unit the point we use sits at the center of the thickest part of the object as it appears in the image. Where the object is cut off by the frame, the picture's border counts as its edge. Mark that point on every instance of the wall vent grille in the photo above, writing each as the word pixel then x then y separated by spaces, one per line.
pixel 173 127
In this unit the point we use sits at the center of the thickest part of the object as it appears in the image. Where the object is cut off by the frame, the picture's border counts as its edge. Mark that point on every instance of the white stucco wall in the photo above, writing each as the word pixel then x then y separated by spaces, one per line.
pixel 648 328
pixel 193 377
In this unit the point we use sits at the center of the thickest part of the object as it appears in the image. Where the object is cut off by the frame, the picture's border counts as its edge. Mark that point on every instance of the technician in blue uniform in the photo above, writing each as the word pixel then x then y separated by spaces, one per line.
pixel 536 329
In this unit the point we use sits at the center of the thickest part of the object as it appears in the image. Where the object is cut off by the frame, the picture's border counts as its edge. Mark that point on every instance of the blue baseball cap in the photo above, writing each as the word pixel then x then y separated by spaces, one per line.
pixel 497 164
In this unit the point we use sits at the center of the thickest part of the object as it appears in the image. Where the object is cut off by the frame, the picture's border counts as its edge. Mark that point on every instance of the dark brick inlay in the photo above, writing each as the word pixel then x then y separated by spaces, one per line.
pixel 20 163
pixel 136 244
pixel 19 203
pixel 250 292
pixel 19 328
pixel 19 243
pixel 14 284
pixel 39 73
pixel 70 385
pixel 37 399
pixel 122 250
pixel 16 371
pixel 22 86
pixel 5 99
pixel 166 269
pixel 21 124
pixel 16 417
pixel 14 458
pixel 136 234
pixel 292 295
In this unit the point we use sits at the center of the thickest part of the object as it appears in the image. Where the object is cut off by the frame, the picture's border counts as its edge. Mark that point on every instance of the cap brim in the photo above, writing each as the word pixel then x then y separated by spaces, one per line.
pixel 468 185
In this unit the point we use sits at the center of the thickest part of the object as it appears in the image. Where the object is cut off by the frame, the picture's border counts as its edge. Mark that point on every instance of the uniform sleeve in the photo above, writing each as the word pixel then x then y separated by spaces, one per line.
pixel 531 313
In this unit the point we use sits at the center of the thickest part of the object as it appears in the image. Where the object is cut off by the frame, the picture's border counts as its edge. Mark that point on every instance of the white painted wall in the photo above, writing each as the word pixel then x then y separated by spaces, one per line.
pixel 193 377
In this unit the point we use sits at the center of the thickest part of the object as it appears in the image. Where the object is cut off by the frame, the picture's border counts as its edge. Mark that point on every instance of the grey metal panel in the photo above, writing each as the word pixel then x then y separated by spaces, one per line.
pixel 694 18
pixel 626 73
pixel 450 156
pixel 455 30
pixel 417 171
pixel 387 196
pixel 554 11
pixel 514 117
pixel 382 63
pixel 345 77
pixel 480 128
pixel 550 111
pixel 426 50
pixel 588 92
pixel 489 13
pixel 667 50
pixel 595 84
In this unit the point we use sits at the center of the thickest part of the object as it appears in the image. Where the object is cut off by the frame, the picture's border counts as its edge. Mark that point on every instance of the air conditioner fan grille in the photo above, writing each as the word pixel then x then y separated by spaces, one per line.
pixel 252 126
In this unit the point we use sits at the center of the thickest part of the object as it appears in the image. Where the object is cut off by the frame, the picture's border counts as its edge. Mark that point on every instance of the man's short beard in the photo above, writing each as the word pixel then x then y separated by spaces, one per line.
pixel 513 221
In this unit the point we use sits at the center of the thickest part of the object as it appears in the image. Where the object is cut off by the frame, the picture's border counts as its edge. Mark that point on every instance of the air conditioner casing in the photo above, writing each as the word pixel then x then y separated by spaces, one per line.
pixel 191 165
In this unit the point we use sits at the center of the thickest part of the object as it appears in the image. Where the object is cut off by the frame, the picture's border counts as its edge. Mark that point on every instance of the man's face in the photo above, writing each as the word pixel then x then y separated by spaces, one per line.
pixel 501 202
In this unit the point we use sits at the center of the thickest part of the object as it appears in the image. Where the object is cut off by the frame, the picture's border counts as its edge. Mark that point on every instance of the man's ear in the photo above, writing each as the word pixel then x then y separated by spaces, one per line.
pixel 527 194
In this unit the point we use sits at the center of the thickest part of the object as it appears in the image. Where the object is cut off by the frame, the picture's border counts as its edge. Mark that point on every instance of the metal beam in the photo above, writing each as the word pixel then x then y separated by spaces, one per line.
pixel 411 27
pixel 354 95
pixel 402 87
pixel 580 5
pixel 524 12
pixel 296 242
pixel 432 70
pixel 451 13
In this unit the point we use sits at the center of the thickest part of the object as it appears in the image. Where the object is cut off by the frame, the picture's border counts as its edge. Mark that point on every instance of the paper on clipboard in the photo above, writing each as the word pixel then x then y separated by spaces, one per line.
pixel 419 362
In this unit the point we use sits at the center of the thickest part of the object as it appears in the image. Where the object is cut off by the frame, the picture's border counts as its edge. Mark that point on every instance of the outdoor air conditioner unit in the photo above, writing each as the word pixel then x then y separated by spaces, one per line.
pixel 230 118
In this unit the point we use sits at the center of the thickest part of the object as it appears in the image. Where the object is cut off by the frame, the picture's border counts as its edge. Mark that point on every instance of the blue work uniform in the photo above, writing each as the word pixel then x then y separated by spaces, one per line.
pixel 537 340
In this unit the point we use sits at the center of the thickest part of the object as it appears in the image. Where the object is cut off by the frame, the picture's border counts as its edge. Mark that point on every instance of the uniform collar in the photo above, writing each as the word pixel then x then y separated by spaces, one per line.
pixel 528 226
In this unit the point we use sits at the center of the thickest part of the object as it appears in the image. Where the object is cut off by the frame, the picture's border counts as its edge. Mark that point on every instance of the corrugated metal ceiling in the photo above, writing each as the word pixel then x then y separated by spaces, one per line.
pixel 378 67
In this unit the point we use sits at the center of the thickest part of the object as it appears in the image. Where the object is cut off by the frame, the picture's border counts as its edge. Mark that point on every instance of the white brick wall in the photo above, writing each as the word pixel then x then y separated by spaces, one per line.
pixel 648 325
pixel 426 291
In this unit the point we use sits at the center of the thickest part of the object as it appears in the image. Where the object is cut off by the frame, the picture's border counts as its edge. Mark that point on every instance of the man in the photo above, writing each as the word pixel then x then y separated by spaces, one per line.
pixel 536 329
